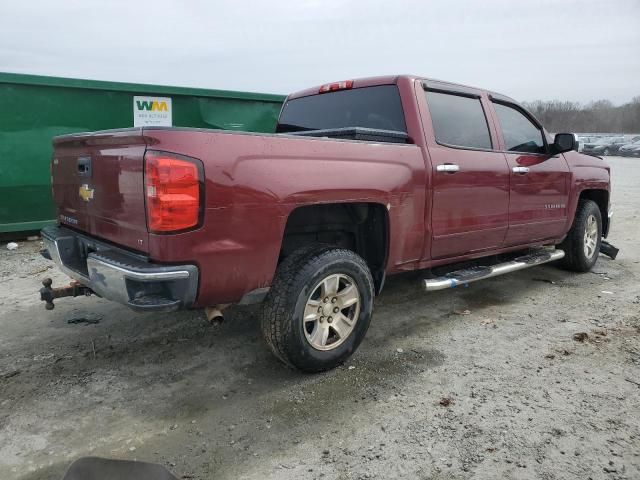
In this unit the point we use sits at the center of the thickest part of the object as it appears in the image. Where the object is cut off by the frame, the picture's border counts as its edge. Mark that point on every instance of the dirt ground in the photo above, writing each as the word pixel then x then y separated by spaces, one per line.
pixel 483 382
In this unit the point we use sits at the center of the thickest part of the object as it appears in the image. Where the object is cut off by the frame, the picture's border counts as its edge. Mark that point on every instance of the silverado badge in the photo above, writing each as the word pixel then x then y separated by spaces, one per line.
pixel 86 193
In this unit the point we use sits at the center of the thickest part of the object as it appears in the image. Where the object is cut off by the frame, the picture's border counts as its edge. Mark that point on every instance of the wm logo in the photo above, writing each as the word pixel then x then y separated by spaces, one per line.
pixel 152 106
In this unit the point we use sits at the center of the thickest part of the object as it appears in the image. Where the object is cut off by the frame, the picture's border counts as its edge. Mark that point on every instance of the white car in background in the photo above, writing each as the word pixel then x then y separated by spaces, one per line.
pixel 581 140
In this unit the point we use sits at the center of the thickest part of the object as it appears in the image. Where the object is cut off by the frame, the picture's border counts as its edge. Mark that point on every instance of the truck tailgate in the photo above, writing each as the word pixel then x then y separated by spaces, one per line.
pixel 98 185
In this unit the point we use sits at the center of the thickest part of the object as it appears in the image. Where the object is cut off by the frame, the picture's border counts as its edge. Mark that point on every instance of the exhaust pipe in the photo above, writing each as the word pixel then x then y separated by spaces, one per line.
pixel 214 313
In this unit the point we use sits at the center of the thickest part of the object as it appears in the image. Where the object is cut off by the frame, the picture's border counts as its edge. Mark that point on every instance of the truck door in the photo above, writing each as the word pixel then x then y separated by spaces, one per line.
pixel 539 181
pixel 470 179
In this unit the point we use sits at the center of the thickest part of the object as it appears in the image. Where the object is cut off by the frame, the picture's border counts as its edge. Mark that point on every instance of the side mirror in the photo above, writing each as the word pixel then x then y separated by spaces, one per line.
pixel 563 142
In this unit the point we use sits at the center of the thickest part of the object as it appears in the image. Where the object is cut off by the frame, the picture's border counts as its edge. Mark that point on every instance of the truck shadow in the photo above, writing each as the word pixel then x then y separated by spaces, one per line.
pixel 417 312
pixel 159 370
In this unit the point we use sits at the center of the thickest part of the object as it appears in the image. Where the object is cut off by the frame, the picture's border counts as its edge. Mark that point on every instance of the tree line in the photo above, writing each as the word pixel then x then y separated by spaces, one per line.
pixel 601 116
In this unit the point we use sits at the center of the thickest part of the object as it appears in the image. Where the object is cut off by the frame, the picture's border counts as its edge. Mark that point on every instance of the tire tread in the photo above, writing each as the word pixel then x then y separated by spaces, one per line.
pixel 276 314
pixel 572 245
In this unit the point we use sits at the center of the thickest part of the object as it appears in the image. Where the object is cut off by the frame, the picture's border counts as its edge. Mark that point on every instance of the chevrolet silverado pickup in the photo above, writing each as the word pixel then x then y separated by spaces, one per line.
pixel 361 179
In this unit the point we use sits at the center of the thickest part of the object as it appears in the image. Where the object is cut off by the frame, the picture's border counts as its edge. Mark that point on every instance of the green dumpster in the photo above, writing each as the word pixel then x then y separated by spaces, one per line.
pixel 33 109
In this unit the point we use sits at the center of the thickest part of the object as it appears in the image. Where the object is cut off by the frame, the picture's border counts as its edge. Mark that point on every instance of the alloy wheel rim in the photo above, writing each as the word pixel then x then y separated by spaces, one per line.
pixel 590 236
pixel 331 312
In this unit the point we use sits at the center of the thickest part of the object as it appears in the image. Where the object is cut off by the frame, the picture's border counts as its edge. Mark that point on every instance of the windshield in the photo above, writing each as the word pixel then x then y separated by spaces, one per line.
pixel 371 107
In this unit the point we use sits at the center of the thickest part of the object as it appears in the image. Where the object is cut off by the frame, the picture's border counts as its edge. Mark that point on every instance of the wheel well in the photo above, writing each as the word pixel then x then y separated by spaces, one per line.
pixel 601 197
pixel 360 227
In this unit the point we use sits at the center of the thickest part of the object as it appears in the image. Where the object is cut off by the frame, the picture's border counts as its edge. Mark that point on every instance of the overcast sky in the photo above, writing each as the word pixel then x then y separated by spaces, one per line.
pixel 574 50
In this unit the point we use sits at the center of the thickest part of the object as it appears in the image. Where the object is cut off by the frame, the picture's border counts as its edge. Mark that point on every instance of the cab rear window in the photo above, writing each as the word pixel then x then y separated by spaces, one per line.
pixel 376 107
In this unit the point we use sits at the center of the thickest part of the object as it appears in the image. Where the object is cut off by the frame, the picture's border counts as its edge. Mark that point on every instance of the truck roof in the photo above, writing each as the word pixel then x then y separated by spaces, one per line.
pixel 391 79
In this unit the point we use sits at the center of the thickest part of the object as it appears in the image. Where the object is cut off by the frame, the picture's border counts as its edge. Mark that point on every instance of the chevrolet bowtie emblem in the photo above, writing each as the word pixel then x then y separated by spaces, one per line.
pixel 86 193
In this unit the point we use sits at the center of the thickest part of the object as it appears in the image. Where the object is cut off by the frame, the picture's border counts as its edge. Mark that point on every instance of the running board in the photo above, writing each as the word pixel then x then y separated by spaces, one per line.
pixel 468 275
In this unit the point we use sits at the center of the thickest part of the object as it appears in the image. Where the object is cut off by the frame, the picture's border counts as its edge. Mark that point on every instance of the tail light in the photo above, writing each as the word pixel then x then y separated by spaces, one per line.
pixel 174 192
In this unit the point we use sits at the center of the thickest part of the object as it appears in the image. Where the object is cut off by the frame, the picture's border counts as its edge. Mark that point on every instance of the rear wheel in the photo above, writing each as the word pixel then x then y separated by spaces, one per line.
pixel 606 151
pixel 582 244
pixel 319 308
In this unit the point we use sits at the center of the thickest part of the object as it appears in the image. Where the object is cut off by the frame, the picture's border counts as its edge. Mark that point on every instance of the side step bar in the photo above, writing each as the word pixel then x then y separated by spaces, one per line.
pixel 468 275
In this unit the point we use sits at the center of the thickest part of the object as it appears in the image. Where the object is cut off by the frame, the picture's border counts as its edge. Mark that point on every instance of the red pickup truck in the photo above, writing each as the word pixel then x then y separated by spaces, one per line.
pixel 362 179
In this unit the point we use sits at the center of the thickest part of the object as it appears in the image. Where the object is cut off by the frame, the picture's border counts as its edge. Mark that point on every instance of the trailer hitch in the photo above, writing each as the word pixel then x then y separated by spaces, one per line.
pixel 74 289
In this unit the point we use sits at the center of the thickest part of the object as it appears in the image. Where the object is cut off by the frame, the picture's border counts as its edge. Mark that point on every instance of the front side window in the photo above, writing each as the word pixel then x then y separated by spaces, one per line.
pixel 520 134
pixel 458 121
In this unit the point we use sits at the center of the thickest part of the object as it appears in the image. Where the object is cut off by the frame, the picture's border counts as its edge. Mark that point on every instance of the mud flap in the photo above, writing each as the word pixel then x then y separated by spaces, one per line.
pixel 609 250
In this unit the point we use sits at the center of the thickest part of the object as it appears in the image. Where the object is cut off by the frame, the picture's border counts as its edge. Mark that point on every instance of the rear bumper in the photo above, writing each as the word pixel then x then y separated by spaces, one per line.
pixel 121 275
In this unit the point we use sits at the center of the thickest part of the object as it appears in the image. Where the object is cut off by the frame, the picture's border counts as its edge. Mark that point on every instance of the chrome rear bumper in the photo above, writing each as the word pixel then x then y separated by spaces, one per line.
pixel 120 275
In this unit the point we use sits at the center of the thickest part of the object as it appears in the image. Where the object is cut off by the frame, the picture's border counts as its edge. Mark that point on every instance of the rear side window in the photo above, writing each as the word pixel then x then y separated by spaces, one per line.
pixel 520 134
pixel 370 107
pixel 458 121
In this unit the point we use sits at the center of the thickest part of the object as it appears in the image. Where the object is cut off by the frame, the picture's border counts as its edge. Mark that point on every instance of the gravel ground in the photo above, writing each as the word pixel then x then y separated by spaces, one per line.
pixel 485 382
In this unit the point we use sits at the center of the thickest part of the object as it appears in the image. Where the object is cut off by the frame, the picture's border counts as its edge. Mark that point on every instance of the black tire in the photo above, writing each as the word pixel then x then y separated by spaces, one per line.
pixel 282 312
pixel 606 152
pixel 575 258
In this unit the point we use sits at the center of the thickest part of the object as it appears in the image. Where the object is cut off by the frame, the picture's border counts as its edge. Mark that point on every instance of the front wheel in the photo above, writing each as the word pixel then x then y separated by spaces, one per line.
pixel 319 308
pixel 582 244
pixel 606 152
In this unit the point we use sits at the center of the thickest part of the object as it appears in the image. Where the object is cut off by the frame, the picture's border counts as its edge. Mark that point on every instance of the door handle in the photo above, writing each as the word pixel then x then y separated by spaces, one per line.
pixel 520 170
pixel 448 167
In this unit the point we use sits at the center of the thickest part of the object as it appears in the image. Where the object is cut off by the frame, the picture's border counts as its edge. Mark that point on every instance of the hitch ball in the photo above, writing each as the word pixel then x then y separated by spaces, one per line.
pixel 46 294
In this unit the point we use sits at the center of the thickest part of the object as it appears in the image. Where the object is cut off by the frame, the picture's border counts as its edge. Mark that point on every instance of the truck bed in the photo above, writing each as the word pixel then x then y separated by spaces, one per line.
pixel 252 182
